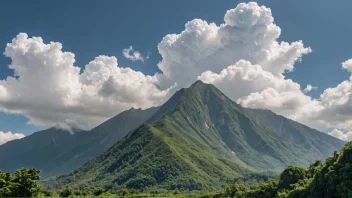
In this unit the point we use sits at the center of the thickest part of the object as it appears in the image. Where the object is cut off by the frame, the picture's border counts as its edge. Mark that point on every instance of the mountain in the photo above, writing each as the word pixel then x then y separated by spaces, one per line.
pixel 303 136
pixel 37 149
pixel 321 180
pixel 198 140
pixel 55 151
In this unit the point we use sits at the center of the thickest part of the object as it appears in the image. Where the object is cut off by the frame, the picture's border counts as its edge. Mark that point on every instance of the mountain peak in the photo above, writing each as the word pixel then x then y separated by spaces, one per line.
pixel 199 140
pixel 198 83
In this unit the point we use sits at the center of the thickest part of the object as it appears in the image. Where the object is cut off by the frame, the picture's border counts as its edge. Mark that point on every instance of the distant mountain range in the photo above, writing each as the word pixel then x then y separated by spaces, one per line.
pixel 199 140
pixel 55 151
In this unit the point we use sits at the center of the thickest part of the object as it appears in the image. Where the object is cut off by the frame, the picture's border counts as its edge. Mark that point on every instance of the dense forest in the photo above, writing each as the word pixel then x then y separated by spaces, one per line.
pixel 333 178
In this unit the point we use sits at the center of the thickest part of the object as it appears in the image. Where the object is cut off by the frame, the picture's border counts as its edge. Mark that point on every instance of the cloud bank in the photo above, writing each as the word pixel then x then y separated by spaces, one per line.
pixel 9 136
pixel 249 33
pixel 242 57
pixel 50 90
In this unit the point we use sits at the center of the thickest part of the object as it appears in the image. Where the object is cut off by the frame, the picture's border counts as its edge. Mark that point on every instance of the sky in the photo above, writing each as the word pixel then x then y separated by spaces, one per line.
pixel 119 56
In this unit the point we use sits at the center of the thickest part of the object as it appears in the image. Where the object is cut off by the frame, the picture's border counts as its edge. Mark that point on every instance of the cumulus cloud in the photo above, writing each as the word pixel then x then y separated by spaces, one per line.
pixel 333 109
pixel 133 55
pixel 241 53
pixel 242 57
pixel 336 106
pixel 50 90
pixel 309 88
pixel 9 136
pixel 243 78
pixel 288 103
pixel 347 65
pixel 248 33
pixel 251 86
pixel 341 135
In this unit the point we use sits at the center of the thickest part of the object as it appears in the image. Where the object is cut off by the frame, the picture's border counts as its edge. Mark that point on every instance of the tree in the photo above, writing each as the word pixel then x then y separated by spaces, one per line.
pixel 291 175
pixel 235 190
pixel 66 192
pixel 26 182
pixel 22 184
pixel 98 191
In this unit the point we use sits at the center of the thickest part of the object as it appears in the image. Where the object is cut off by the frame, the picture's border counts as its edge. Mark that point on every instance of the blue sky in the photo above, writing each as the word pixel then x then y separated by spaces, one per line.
pixel 92 28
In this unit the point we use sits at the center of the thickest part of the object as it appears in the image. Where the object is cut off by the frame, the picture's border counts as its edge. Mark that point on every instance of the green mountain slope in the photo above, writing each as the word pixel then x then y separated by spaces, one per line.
pixel 198 140
pixel 149 157
pixel 257 142
pixel 36 149
pixel 54 151
pixel 320 145
pixel 321 180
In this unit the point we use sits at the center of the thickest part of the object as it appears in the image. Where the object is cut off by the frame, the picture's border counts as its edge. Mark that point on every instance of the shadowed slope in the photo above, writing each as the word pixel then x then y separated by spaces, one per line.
pixel 55 151
pixel 198 140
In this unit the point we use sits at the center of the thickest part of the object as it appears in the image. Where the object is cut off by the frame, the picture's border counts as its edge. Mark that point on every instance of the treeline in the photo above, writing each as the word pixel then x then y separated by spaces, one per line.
pixel 24 183
pixel 321 180
pixel 333 178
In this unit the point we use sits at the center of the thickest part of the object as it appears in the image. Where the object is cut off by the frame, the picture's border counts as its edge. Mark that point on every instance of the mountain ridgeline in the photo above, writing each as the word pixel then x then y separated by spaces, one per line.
pixel 55 151
pixel 200 140
pixel 319 144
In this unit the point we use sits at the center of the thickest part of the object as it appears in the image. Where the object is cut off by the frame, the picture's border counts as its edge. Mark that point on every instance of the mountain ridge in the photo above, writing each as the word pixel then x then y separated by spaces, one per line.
pixel 72 150
pixel 214 139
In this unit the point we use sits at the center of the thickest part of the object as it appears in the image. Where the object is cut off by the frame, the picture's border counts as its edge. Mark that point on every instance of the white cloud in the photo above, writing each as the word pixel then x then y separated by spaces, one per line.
pixel 242 57
pixel 341 135
pixel 243 50
pixel 133 55
pixel 336 106
pixel 309 88
pixel 336 111
pixel 9 136
pixel 333 109
pixel 347 65
pixel 291 103
pixel 251 86
pixel 243 78
pixel 248 33
pixel 50 90
pixel 258 80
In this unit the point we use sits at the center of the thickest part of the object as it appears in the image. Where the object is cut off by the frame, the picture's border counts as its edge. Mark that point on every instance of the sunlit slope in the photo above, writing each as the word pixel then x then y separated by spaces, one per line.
pixel 198 140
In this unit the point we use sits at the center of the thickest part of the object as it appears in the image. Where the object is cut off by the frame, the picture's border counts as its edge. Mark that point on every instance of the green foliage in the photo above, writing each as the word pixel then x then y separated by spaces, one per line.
pixel 236 190
pixel 200 140
pixel 56 151
pixel 315 167
pixel 176 151
pixel 66 192
pixel 303 144
pixel 291 175
pixel 321 180
pixel 22 184
pixel 98 191
pixel 333 178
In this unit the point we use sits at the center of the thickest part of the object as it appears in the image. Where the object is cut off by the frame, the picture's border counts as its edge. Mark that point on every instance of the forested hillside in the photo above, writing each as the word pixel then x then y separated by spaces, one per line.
pixel 55 151
pixel 199 140
pixel 332 178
